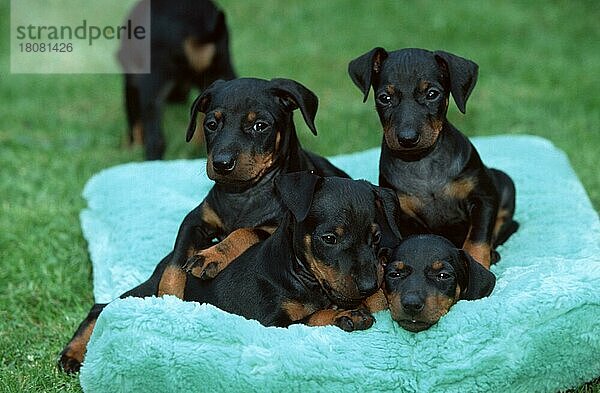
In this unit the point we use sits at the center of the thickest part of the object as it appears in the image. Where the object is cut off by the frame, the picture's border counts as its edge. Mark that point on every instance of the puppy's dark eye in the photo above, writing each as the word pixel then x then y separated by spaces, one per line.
pixel 329 238
pixel 384 98
pixel 260 126
pixel 376 238
pixel 211 125
pixel 432 94
pixel 443 276
pixel 398 274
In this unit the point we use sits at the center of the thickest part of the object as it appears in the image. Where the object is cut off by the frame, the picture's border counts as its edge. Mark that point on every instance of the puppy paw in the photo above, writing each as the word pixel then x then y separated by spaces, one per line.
pixel 68 364
pixel 495 257
pixel 202 267
pixel 352 320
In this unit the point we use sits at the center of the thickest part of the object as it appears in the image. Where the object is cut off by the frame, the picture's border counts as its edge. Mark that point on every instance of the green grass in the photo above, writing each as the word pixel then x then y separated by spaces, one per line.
pixel 539 75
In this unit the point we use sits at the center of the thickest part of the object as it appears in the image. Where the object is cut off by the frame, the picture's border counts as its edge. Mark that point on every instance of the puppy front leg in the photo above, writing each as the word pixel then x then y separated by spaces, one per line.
pixel 207 263
pixel 348 320
pixel 72 355
pixel 478 242
pixel 196 232
pixel 376 302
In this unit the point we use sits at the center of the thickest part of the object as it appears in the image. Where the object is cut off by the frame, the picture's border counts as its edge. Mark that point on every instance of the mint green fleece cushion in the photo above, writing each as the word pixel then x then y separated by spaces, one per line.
pixel 539 331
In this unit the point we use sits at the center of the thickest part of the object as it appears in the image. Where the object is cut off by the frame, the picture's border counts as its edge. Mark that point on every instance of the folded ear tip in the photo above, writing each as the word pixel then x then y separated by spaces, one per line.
pixel 462 106
pixel 366 93
pixel 296 191
pixel 190 133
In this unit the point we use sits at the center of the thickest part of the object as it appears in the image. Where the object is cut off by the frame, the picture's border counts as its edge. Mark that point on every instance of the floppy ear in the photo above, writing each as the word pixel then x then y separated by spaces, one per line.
pixel 296 191
pixel 363 68
pixel 480 281
pixel 463 76
pixel 200 104
pixel 387 216
pixel 217 26
pixel 294 95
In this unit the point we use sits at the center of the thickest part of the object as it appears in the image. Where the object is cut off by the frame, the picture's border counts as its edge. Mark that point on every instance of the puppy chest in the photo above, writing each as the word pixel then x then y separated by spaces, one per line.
pixel 434 210
pixel 251 213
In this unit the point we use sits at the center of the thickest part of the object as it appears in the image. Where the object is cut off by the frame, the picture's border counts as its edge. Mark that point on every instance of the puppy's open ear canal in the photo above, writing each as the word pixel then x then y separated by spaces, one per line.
pixel 480 281
pixel 200 104
pixel 296 191
pixel 364 69
pixel 463 76
pixel 294 95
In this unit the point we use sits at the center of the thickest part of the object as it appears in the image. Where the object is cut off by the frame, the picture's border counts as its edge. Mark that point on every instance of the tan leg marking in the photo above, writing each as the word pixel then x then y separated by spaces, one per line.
pixel 410 205
pixel 296 310
pixel 503 215
pixel 359 319
pixel 210 216
pixel 77 347
pixel 199 55
pixel 172 282
pixel 376 302
pixel 138 133
pixel 324 317
pixel 213 260
pixel 481 252
pixel 460 188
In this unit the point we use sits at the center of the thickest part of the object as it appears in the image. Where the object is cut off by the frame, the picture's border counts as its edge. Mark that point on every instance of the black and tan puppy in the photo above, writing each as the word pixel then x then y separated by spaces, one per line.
pixel 441 183
pixel 317 268
pixel 251 141
pixel 426 276
pixel 189 47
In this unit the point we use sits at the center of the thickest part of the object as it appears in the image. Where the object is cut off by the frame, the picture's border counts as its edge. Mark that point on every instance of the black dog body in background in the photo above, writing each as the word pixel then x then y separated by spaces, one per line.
pixel 189 47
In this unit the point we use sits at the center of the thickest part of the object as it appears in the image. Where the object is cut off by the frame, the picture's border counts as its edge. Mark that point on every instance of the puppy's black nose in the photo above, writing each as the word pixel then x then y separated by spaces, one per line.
pixel 367 287
pixel 408 139
pixel 223 164
pixel 412 304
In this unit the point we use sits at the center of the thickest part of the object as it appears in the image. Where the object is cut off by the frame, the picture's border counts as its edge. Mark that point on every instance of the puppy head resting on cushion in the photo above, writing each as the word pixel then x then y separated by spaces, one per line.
pixel 426 276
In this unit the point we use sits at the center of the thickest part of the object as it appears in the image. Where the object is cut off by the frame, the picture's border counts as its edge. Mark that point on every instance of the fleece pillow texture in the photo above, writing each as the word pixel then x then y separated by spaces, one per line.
pixel 539 331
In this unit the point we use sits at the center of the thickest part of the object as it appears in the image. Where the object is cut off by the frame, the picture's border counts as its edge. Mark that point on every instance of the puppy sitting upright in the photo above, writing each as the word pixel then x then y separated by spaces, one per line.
pixel 441 183
pixel 251 141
